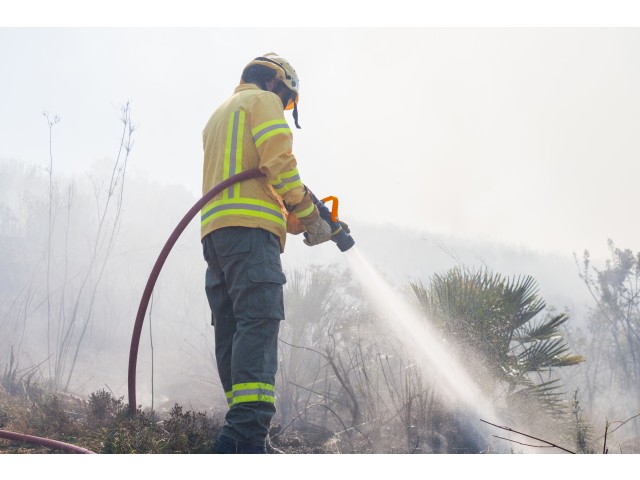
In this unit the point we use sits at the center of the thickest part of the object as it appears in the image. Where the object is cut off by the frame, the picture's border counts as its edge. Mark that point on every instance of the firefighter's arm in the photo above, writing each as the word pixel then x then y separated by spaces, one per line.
pixel 274 142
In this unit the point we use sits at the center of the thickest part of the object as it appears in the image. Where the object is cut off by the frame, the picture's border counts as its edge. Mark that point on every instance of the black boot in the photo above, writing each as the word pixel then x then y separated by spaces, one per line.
pixel 226 444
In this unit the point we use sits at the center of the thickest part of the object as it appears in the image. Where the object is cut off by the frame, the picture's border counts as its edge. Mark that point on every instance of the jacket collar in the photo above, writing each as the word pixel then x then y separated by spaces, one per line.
pixel 246 86
pixel 252 86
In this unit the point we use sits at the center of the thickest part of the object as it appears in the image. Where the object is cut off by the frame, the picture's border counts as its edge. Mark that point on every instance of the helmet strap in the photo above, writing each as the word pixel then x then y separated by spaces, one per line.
pixel 286 98
pixel 295 114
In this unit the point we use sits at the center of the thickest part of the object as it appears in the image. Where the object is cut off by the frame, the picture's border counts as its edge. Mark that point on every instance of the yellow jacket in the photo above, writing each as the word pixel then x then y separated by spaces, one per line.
pixel 249 131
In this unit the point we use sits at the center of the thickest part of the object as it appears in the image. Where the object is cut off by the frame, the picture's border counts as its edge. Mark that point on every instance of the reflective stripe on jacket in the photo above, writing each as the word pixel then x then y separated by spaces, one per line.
pixel 249 131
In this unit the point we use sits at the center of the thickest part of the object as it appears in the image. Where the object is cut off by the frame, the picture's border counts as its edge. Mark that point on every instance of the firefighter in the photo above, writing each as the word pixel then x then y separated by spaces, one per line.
pixel 243 233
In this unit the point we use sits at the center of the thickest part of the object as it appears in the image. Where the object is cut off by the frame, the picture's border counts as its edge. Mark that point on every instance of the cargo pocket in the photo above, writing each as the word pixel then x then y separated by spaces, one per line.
pixel 232 241
pixel 265 291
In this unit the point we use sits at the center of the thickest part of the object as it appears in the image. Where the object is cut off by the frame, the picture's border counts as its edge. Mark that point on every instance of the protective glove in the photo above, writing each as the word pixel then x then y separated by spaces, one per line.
pixel 318 231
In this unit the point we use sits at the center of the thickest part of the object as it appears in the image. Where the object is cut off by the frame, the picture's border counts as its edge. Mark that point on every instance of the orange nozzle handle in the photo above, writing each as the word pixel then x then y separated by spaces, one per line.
pixel 334 207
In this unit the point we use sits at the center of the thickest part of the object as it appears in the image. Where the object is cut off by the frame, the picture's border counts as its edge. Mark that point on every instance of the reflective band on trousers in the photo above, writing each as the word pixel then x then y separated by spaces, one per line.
pixel 268 129
pixel 243 206
pixel 233 152
pixel 287 181
pixel 251 392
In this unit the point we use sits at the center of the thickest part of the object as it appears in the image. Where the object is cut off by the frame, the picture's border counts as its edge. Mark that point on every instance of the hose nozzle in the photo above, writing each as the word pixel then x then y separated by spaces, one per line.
pixel 340 233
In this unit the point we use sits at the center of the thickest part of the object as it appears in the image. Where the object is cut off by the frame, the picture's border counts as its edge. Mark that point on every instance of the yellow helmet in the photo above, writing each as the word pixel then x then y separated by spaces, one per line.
pixel 284 72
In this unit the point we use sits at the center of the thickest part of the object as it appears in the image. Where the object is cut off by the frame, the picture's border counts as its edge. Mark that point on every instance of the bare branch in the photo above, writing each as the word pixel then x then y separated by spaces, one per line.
pixel 525 444
pixel 509 429
pixel 621 424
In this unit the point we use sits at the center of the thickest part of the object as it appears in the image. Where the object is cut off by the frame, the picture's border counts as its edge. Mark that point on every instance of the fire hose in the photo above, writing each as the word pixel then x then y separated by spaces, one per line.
pixel 340 237
pixel 146 295
pixel 45 442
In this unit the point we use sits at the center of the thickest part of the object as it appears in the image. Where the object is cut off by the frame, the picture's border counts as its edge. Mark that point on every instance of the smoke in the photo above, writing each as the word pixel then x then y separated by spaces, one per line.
pixel 182 357
pixel 180 321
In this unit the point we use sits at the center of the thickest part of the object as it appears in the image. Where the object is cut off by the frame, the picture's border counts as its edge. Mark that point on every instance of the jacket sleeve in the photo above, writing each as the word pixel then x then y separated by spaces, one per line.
pixel 274 142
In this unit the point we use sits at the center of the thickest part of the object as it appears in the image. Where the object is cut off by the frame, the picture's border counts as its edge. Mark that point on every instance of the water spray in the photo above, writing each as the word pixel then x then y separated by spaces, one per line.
pixel 408 326
pixel 424 345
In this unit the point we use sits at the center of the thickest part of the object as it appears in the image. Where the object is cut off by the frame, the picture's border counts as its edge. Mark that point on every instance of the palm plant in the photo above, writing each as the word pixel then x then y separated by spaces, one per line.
pixel 498 324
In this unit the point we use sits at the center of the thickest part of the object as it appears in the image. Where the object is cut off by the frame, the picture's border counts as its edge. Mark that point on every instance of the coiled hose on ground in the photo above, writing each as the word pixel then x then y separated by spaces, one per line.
pixel 44 442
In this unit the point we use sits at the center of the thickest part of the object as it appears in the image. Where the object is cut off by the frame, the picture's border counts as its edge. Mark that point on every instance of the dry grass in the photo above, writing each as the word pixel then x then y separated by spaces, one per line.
pixel 101 423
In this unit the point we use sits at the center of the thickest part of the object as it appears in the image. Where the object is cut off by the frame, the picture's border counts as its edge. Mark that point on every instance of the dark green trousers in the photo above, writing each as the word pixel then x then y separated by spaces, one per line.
pixel 244 286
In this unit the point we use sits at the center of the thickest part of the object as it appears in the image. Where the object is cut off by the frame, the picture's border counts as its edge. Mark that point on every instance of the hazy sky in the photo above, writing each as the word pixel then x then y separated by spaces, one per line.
pixel 527 136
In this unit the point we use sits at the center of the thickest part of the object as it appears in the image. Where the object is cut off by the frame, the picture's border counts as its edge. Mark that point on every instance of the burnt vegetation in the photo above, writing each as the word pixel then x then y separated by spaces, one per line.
pixel 346 387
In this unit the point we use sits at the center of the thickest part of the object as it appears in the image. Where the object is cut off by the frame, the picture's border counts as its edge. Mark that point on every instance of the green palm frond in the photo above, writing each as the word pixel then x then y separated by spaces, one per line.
pixel 521 295
pixel 496 316
pixel 544 329
pixel 542 354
